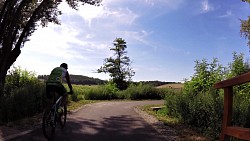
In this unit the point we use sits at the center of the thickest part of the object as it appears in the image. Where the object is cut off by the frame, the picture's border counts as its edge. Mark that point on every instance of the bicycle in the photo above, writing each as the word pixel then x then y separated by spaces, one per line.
pixel 51 117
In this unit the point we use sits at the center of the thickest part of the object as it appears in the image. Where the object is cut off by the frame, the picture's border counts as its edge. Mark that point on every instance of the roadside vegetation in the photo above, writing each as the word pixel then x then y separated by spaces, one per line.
pixel 194 104
pixel 199 106
pixel 24 95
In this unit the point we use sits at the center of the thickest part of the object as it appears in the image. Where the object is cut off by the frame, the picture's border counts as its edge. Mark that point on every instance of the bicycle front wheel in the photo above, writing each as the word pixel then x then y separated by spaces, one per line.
pixel 62 118
pixel 48 124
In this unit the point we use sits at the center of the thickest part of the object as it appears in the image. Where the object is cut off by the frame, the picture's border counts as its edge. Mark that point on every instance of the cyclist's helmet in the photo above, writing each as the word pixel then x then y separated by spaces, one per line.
pixel 64 65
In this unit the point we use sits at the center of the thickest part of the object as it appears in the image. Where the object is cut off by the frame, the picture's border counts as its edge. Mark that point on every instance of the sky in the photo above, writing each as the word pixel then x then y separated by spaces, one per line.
pixel 164 38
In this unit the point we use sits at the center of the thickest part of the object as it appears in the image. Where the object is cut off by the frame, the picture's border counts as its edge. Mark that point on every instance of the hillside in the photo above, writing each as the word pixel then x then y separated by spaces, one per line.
pixel 157 83
pixel 172 86
pixel 79 80
pixel 85 80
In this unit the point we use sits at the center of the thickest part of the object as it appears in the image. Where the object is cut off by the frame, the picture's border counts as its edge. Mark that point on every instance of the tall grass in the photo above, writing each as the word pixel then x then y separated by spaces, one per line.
pixel 204 111
pixel 96 92
pixel 109 91
pixel 139 92
pixel 24 94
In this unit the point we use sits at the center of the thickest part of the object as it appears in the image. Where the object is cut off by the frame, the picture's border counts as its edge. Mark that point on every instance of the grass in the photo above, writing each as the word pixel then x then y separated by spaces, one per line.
pixel 76 105
pixel 184 132
pixel 160 115
pixel 172 86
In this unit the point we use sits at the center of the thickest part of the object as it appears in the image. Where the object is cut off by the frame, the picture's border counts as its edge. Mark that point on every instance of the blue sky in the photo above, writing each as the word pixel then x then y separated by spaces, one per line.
pixel 164 37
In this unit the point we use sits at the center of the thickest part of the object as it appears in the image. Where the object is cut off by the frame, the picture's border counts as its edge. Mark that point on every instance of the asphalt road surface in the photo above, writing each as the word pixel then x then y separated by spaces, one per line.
pixel 104 121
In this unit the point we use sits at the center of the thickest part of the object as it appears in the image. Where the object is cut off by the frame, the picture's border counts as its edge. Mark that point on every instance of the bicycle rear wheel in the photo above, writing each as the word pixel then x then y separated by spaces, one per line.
pixel 63 117
pixel 48 124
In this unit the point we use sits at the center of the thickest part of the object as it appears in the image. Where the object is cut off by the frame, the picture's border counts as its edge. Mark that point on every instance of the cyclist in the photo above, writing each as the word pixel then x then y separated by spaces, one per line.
pixel 55 83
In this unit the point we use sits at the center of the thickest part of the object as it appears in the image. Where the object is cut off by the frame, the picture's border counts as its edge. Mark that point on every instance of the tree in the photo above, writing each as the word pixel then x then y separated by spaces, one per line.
pixel 205 76
pixel 238 66
pixel 245 26
pixel 118 66
pixel 19 19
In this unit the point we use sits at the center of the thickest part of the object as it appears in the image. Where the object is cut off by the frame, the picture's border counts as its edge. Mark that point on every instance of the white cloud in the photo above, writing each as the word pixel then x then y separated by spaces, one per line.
pixel 104 11
pixel 228 14
pixel 135 36
pixel 206 6
pixel 122 16
pixel 172 4
pixel 90 36
pixel 55 42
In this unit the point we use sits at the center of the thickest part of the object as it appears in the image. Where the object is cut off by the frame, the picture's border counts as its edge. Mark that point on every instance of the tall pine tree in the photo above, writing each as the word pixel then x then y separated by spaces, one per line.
pixel 118 66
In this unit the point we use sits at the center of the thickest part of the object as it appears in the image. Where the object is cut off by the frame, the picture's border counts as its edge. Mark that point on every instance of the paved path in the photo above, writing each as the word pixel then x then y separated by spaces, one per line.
pixel 104 121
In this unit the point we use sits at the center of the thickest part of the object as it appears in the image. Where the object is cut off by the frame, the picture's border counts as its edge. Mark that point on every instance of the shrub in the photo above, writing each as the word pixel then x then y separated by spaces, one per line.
pixel 102 92
pixel 110 91
pixel 139 92
pixel 23 102
pixel 24 95
pixel 203 111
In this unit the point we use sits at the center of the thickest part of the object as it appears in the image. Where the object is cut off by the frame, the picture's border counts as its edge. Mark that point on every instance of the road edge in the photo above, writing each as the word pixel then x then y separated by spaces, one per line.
pixel 167 132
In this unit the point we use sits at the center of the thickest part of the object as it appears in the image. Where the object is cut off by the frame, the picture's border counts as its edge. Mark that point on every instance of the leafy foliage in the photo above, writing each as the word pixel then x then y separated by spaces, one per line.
pixel 245 26
pixel 110 91
pixel 24 95
pixel 139 92
pixel 238 66
pixel 118 66
pixel 205 76
pixel 201 106
pixel 18 78
pixel 19 19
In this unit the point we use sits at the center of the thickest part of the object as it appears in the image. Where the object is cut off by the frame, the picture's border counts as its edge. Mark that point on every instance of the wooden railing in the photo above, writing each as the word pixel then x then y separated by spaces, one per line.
pixel 227 128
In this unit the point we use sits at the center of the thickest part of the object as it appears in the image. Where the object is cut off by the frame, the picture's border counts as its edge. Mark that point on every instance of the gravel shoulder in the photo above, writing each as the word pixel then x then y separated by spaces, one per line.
pixel 169 133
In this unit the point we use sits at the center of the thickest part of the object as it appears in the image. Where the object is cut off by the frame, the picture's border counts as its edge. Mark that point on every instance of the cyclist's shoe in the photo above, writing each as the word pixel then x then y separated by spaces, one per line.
pixel 60 110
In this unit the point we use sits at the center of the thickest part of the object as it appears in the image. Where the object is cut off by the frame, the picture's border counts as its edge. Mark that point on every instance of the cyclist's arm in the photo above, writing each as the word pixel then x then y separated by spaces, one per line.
pixel 68 81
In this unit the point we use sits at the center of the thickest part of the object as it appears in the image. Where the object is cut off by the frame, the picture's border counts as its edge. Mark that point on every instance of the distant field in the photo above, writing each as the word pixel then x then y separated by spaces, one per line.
pixel 172 86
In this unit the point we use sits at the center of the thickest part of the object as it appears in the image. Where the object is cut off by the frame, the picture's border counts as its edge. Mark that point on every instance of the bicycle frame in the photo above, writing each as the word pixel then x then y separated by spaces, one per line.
pixel 51 117
pixel 54 108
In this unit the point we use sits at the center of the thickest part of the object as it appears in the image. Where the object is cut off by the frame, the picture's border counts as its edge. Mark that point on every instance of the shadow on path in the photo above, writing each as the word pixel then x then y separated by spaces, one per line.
pixel 114 128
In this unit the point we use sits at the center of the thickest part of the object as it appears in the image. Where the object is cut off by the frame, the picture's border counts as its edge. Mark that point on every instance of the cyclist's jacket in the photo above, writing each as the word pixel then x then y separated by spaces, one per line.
pixel 57 75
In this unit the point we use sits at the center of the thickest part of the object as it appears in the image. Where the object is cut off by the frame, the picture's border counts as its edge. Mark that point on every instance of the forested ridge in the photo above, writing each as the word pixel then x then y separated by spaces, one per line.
pixel 85 80
pixel 80 80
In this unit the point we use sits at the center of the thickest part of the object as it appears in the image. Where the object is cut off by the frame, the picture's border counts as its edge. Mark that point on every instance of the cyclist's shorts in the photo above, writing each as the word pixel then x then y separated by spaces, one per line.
pixel 51 88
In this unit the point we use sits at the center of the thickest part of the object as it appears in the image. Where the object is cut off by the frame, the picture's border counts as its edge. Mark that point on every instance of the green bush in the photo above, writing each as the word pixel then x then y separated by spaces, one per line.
pixel 241 109
pixel 172 99
pixel 203 111
pixel 139 92
pixel 110 91
pixel 23 102
pixel 79 92
pixel 201 106
pixel 99 92
pixel 24 95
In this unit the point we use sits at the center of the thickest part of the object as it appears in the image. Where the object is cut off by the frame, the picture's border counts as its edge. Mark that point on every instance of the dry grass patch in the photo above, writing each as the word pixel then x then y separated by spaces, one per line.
pixel 172 86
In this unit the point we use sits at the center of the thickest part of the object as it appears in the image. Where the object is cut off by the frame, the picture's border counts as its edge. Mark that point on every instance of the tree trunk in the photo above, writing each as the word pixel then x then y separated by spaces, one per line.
pixel 2 78
pixel 6 60
pixel 3 73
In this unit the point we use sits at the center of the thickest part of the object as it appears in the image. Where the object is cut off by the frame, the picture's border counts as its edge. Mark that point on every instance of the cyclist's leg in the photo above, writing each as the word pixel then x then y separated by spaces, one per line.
pixel 64 100
pixel 62 91
pixel 50 93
